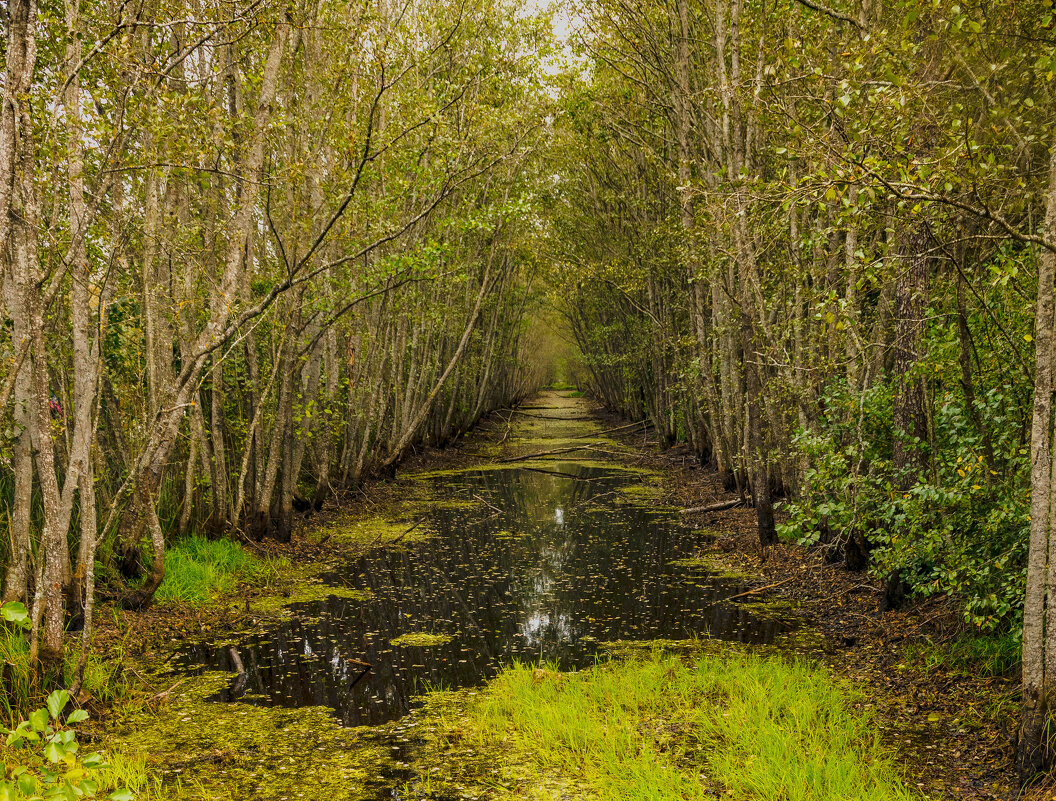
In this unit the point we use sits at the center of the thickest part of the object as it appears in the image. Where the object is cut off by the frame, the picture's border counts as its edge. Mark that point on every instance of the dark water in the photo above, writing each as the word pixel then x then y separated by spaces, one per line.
pixel 567 563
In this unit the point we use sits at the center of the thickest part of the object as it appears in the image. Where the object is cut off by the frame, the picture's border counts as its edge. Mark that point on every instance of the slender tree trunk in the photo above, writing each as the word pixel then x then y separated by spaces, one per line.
pixel 1039 633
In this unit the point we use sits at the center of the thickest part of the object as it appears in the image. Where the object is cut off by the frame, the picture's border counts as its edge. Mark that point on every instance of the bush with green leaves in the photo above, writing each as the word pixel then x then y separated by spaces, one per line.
pixel 51 765
pixel 960 528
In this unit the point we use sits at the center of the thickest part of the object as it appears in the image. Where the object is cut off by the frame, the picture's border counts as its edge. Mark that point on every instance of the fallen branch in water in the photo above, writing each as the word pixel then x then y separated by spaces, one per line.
pixel 164 694
pixel 559 451
pixel 490 506
pixel 538 454
pixel 715 507
pixel 644 423
pixel 561 474
pixel 550 416
pixel 758 589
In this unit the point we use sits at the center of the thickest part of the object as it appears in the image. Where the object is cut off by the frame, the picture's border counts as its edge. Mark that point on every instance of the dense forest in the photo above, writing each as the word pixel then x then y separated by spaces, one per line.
pixel 250 255
pixel 254 254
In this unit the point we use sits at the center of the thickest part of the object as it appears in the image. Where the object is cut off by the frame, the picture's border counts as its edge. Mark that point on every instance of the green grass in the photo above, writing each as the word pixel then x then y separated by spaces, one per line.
pixel 104 681
pixel 198 570
pixel 662 728
pixel 972 654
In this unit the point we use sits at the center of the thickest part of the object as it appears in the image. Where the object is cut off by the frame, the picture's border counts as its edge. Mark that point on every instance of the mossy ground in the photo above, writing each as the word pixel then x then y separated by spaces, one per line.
pixel 210 750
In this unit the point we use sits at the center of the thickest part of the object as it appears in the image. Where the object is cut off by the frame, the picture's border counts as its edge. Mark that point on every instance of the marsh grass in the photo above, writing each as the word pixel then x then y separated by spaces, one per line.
pixel 199 570
pixel 666 728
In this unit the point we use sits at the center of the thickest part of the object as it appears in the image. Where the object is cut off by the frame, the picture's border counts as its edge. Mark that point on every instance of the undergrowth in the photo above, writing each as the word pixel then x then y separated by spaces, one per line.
pixel 665 729
pixel 199 570
pixel 972 654
pixel 104 681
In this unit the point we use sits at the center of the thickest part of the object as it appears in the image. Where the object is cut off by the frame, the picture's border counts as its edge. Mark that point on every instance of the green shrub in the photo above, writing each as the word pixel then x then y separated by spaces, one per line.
pixel 960 529
pixel 49 763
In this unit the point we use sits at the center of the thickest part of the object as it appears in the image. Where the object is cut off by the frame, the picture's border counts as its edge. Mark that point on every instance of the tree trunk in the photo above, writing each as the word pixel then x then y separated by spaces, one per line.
pixel 1039 633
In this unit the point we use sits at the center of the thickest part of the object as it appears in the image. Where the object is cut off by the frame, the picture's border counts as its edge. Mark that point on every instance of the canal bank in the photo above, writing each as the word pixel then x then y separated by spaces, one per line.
pixel 550 543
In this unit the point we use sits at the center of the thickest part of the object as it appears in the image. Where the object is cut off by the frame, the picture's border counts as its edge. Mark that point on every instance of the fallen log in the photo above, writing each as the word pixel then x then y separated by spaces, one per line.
pixel 758 590
pixel 645 423
pixel 715 507
pixel 550 416
pixel 538 454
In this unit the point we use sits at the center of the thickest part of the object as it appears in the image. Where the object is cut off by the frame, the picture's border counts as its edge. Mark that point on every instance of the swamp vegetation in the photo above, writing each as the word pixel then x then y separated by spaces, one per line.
pixel 266 266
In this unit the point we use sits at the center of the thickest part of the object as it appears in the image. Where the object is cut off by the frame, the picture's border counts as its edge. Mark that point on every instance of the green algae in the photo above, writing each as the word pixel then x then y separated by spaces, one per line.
pixel 641 493
pixel 370 531
pixel 457 505
pixel 710 565
pixel 307 592
pixel 210 750
pixel 421 639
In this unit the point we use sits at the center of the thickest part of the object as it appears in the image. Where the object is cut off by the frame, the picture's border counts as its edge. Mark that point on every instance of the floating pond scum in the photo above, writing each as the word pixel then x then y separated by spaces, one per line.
pixel 550 567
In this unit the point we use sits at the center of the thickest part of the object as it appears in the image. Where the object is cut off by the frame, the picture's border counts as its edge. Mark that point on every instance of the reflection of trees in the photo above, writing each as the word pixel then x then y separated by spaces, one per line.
pixel 603 573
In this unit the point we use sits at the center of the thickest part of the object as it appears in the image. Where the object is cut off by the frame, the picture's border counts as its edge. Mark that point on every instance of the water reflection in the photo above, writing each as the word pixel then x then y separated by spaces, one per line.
pixel 568 563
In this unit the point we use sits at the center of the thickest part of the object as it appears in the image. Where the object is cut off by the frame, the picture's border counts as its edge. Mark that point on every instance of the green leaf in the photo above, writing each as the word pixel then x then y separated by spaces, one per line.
pixel 54 752
pixel 27 784
pixel 123 794
pixel 39 720
pixel 77 715
pixel 14 612
pixel 93 760
pixel 57 702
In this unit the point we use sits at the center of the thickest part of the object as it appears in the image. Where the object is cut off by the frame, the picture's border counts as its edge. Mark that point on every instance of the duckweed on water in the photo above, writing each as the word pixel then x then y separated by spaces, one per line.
pixel 224 751
pixel 421 639
pixel 642 492
pixel 370 530
pixel 306 592
pixel 710 565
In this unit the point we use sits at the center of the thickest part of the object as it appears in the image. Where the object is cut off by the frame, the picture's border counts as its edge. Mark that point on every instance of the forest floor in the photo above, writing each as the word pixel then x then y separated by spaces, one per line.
pixel 948 728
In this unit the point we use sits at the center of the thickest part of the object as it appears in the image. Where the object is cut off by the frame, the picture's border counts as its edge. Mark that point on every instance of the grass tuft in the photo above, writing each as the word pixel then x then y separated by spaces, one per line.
pixel 664 729
pixel 19 695
pixel 198 570
pixel 972 654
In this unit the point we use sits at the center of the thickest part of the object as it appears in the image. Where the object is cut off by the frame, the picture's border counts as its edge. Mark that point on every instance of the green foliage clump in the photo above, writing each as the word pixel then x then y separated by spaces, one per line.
pixel 959 528
pixel 662 728
pixel 197 570
pixel 49 763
